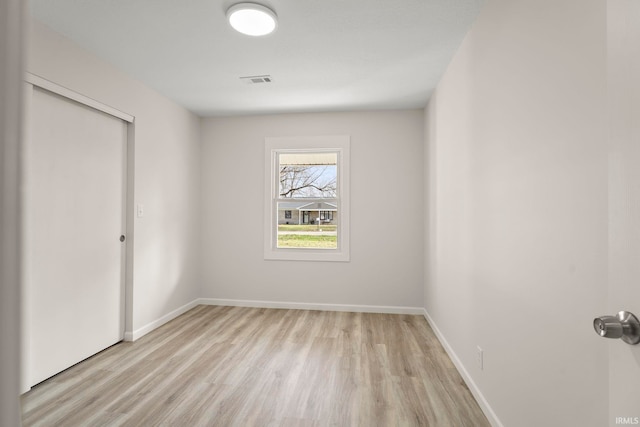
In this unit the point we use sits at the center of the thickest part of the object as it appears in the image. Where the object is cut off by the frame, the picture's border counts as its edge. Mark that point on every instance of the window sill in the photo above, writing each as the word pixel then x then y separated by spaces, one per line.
pixel 298 254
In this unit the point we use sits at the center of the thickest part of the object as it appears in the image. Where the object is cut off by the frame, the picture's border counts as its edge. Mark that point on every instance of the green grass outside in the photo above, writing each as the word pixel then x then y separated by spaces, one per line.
pixel 307 227
pixel 307 241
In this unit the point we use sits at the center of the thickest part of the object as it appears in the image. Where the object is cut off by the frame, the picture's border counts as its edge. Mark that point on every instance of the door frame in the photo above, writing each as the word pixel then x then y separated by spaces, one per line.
pixel 31 81
pixel 12 13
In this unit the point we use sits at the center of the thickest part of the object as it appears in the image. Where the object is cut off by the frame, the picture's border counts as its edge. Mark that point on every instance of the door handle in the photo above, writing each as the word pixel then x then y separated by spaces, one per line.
pixel 624 325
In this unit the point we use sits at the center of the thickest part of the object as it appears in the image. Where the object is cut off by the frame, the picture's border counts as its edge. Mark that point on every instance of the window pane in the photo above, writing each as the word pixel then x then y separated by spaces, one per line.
pixel 311 226
pixel 306 175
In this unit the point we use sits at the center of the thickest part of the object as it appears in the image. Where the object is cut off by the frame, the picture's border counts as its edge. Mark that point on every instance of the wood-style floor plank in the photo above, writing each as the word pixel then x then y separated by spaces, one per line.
pixel 233 366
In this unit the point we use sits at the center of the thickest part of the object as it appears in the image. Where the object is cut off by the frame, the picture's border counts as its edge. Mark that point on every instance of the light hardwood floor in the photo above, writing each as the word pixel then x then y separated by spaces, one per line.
pixel 232 366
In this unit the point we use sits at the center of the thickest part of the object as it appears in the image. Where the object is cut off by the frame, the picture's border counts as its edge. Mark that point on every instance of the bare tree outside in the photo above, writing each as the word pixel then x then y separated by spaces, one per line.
pixel 307 181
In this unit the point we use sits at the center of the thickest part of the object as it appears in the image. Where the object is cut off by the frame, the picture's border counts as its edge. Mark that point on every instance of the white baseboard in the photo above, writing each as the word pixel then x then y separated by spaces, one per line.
pixel 140 332
pixel 484 405
pixel 312 306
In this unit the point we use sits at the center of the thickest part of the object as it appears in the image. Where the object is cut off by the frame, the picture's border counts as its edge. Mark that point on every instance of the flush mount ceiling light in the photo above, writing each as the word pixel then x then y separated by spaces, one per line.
pixel 252 19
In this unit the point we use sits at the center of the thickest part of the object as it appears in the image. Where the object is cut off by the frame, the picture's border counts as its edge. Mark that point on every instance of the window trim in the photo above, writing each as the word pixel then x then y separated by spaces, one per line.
pixel 339 144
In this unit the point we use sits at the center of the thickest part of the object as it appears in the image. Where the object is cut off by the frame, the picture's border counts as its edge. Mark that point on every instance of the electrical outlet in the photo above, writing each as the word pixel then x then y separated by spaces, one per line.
pixel 480 358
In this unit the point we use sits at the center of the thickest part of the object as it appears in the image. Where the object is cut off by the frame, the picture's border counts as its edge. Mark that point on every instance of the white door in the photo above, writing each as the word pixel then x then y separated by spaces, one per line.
pixel 74 217
pixel 624 202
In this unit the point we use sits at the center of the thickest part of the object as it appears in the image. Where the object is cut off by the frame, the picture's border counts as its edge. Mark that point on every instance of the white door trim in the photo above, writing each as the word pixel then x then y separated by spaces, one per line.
pixel 78 97
pixel 12 13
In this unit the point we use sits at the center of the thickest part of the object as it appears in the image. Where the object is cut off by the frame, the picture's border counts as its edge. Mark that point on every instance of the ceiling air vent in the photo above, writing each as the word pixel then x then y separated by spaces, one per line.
pixel 256 79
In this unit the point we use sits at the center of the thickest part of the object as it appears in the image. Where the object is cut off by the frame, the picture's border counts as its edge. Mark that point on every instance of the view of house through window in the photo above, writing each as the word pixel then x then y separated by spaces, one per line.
pixel 307 200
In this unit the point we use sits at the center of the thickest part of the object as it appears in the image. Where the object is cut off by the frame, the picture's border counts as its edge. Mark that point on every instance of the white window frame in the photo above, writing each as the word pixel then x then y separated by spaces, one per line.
pixel 339 144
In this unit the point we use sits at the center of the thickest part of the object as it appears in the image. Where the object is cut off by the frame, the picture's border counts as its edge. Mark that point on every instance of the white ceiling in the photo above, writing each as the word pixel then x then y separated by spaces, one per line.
pixel 326 55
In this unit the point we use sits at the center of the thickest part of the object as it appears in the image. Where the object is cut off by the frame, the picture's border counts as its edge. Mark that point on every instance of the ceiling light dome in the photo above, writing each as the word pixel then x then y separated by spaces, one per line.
pixel 252 19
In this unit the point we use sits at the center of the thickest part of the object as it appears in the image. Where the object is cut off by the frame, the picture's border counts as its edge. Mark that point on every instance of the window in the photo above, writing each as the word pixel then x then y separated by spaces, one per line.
pixel 326 215
pixel 306 198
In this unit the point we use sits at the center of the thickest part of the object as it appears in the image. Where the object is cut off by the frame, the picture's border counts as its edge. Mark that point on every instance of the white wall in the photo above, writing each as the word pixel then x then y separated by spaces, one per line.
pixel 386 211
pixel 11 29
pixel 516 132
pixel 167 175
